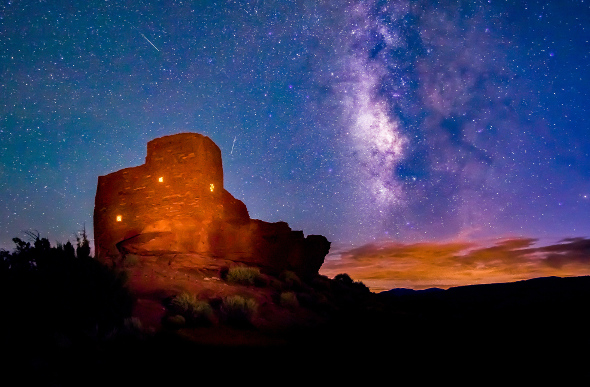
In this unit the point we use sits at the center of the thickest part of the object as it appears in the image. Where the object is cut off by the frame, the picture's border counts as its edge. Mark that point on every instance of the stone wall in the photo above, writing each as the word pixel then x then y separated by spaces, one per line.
pixel 176 202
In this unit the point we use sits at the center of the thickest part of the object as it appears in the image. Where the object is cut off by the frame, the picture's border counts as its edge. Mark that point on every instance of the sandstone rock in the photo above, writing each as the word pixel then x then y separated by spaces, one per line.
pixel 176 203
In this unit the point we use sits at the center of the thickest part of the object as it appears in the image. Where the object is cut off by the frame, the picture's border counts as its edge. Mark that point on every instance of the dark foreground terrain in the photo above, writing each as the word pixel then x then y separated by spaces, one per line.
pixel 67 320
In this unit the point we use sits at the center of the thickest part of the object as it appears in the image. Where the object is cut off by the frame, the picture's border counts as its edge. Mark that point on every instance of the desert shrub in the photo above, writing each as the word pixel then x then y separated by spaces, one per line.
pixel 289 300
pixel 244 275
pixel 201 313
pixel 133 324
pixel 344 279
pixel 132 328
pixel 193 310
pixel 239 310
pixel 291 280
pixel 175 321
pixel 183 302
pixel 275 282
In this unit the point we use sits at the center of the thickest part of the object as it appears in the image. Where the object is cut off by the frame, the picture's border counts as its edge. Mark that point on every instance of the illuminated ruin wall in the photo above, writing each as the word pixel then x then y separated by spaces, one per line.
pixel 176 202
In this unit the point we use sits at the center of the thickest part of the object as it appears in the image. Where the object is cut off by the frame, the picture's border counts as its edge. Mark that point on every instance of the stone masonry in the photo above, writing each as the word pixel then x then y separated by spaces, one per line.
pixel 176 203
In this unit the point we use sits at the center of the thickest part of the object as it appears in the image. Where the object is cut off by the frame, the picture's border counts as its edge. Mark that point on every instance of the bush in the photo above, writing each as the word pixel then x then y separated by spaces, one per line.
pixel 239 310
pixel 77 298
pixel 193 310
pixel 175 321
pixel 132 329
pixel 244 275
pixel 291 280
pixel 289 300
pixel 345 279
pixel 183 302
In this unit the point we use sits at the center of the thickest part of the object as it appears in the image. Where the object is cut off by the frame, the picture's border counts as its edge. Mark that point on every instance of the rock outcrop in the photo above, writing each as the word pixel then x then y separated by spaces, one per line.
pixel 176 203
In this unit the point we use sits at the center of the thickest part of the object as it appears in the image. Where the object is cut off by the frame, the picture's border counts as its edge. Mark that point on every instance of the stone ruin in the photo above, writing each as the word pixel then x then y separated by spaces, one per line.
pixel 176 204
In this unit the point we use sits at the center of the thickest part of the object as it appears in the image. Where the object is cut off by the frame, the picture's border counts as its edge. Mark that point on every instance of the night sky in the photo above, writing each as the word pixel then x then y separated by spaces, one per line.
pixel 364 121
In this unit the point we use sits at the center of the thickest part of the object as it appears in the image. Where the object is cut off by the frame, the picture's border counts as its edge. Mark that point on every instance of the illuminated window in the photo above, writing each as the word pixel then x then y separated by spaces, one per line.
pixel 119 218
pixel 160 179
pixel 211 187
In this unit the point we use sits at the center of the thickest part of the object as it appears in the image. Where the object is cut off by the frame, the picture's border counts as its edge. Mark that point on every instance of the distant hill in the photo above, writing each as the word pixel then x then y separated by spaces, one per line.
pixel 397 292
pixel 541 295
pixel 530 316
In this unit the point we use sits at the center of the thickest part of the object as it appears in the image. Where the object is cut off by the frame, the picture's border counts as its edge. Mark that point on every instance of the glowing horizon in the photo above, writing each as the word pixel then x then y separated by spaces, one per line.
pixel 422 265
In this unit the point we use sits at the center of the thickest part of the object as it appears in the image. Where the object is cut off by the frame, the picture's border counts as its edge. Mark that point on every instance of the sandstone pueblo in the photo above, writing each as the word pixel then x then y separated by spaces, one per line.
pixel 175 205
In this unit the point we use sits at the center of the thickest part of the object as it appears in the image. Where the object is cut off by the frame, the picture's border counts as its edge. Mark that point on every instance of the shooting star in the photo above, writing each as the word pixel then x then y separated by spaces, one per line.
pixel 56 191
pixel 150 42
pixel 232 145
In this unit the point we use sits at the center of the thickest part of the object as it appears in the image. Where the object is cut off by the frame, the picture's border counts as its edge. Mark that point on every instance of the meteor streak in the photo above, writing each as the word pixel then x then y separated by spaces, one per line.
pixel 232 145
pixel 149 42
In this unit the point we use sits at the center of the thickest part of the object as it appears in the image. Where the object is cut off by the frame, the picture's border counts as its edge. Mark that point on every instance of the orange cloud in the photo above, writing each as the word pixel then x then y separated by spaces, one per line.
pixel 446 264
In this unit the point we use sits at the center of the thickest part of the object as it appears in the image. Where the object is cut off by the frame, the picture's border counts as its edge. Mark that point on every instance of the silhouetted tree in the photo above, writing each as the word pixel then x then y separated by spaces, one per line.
pixel 4 261
pixel 83 246
pixel 344 279
pixel 40 244
pixel 46 290
pixel 69 251
pixel 22 259
pixel 21 246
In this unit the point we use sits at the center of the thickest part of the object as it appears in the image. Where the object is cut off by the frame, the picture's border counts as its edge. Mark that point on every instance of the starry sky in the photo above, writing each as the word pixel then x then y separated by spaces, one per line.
pixel 369 122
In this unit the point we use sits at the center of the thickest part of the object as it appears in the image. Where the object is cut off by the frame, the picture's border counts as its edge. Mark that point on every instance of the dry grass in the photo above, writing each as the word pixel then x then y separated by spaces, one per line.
pixel 239 310
pixel 244 275
pixel 193 310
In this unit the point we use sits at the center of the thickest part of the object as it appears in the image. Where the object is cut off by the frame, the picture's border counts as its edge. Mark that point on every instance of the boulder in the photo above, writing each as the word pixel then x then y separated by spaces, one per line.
pixel 176 203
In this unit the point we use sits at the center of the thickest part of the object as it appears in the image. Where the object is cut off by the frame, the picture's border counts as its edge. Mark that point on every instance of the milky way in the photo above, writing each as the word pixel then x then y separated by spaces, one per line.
pixel 358 120
pixel 449 136
pixel 374 131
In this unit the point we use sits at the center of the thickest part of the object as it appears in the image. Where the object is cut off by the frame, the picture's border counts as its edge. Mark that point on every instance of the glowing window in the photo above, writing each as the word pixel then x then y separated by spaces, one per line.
pixel 160 179
pixel 119 218
pixel 211 187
